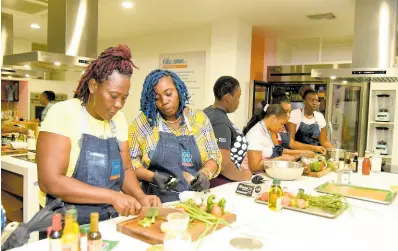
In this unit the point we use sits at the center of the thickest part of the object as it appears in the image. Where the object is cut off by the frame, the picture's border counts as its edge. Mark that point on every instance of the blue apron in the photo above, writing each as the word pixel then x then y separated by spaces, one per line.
pixel 276 150
pixel 99 164
pixel 173 154
pixel 308 134
pixel 285 137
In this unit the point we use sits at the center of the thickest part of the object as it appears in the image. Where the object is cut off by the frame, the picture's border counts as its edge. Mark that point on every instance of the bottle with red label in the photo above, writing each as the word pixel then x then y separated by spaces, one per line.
pixel 55 236
pixel 366 165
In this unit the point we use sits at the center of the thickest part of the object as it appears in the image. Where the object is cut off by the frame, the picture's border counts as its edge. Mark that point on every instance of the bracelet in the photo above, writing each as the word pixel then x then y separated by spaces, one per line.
pixel 209 174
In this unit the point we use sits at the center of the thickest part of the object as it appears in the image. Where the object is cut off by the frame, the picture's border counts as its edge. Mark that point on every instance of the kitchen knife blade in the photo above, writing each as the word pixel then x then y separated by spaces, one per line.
pixel 157 211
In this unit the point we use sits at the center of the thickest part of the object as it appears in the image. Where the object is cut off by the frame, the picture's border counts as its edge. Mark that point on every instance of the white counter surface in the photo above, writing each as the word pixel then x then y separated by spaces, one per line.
pixel 371 226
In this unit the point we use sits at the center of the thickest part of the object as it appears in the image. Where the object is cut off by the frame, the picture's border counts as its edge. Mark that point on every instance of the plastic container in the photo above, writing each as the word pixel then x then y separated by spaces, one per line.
pixel 177 238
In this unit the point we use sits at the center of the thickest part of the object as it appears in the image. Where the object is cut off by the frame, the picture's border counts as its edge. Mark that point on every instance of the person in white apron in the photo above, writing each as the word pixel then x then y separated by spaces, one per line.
pixel 307 125
pixel 172 146
pixel 230 139
pixel 261 146
pixel 82 150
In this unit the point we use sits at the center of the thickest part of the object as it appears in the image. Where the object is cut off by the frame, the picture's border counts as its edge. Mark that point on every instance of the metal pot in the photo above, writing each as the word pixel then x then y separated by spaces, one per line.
pixel 334 154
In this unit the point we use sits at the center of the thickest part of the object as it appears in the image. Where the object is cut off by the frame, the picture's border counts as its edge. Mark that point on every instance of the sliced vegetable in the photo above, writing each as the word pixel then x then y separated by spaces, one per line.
pixel 146 222
pixel 221 204
pixel 210 203
pixel 164 227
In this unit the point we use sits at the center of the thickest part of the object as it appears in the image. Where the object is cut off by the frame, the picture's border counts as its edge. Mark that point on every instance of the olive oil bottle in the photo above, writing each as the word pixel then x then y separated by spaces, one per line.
pixel 275 196
pixel 94 238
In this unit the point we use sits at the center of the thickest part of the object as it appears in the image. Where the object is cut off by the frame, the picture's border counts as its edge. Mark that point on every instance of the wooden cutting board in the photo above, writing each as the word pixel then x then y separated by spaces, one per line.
pixel 318 174
pixel 9 151
pixel 153 235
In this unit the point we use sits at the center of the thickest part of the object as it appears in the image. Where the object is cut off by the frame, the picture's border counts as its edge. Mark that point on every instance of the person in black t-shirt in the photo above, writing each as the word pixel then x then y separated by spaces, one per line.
pixel 230 139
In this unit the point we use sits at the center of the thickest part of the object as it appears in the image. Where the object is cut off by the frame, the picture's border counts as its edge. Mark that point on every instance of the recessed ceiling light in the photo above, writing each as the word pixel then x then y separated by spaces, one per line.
pixel 57 63
pixel 9 76
pixel 27 75
pixel 345 82
pixel 333 77
pixel 127 5
pixel 35 26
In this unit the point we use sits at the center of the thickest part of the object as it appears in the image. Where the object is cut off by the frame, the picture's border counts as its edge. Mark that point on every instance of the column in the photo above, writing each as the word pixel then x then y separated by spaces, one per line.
pixel 230 54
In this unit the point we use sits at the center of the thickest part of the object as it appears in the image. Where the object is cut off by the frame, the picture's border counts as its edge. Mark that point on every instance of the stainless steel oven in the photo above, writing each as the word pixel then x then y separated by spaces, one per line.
pixel 36 108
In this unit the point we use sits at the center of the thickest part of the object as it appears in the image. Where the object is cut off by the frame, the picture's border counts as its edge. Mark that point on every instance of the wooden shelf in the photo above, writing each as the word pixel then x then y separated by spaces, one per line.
pixel 383 156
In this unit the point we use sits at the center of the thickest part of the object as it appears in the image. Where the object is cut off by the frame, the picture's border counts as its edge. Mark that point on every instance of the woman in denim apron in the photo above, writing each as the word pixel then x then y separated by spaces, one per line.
pixel 282 138
pixel 103 166
pixel 311 134
pixel 173 146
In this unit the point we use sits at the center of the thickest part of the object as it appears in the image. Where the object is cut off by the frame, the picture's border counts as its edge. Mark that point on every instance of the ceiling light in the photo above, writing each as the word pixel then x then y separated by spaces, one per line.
pixel 127 5
pixel 27 75
pixel 57 63
pixel 333 77
pixel 35 26
pixel 345 82
pixel 9 76
pixel 26 66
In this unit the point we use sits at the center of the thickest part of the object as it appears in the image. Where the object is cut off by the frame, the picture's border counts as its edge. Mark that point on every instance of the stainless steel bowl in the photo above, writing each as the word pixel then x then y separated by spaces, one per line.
pixel 283 170
pixel 334 154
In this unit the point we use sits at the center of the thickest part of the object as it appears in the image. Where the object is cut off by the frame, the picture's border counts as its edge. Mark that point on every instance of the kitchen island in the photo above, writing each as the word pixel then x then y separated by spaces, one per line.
pixel 367 226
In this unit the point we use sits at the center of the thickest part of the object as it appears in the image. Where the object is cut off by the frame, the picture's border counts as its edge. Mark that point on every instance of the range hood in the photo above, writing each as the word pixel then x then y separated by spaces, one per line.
pixel 374 45
pixel 72 37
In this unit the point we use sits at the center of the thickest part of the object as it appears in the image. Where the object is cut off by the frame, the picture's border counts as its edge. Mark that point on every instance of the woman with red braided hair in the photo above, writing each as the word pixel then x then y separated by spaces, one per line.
pixel 82 152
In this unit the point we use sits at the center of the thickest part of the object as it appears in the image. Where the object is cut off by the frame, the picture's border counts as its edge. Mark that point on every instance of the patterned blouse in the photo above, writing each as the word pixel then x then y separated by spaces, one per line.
pixel 143 139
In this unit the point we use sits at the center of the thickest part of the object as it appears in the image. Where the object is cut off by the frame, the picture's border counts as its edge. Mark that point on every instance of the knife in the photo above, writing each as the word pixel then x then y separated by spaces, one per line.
pixel 157 211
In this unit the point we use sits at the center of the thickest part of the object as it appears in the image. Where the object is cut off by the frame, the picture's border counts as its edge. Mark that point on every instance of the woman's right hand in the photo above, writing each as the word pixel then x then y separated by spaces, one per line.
pixel 125 204
pixel 320 149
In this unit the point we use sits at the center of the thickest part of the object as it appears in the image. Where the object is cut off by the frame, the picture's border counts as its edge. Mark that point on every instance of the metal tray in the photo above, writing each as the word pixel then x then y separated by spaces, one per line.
pixel 310 210
pixel 390 196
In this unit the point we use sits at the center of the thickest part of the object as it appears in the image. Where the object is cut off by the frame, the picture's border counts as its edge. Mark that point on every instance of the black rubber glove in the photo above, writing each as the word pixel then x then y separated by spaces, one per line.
pixel 161 180
pixel 200 183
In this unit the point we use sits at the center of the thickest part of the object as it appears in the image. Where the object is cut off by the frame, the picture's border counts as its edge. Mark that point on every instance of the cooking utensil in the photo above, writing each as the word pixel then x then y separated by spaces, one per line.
pixel 157 211
pixel 335 154
pixel 283 170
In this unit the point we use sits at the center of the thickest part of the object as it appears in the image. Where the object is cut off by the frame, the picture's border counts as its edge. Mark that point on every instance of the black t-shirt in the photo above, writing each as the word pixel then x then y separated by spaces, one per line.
pixel 228 136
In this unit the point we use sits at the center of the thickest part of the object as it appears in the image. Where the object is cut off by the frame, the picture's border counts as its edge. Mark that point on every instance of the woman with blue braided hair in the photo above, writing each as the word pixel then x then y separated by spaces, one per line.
pixel 172 146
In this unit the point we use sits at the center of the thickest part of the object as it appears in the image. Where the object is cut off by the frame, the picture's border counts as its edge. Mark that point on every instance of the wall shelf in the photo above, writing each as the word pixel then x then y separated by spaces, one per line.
pixel 381 123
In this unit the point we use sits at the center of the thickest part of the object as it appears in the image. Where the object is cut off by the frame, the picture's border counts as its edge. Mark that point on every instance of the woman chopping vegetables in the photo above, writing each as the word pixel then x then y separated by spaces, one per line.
pixel 258 134
pixel 307 125
pixel 172 146
pixel 282 138
pixel 82 150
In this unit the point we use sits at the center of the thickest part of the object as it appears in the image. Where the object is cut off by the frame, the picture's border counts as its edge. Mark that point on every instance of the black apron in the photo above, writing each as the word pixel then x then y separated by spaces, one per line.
pixel 99 164
pixel 173 154
pixel 308 134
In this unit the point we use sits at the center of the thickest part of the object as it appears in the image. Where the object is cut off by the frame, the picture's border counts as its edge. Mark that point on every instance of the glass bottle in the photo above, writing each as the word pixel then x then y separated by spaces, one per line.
pixel 55 236
pixel 275 196
pixel 94 238
pixel 366 165
pixel 177 238
pixel 70 240
pixel 83 239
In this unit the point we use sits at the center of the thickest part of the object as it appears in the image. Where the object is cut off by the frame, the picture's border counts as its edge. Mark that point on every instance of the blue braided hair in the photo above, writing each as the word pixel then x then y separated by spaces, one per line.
pixel 148 95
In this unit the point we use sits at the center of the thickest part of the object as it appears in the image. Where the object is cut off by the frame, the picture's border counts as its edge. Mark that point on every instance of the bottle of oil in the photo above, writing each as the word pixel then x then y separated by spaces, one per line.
pixel 76 228
pixel 275 196
pixel 55 236
pixel 94 237
pixel 70 240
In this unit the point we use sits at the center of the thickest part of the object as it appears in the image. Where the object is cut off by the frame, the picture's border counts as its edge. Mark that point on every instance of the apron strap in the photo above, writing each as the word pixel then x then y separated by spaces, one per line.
pixel 267 132
pixel 302 116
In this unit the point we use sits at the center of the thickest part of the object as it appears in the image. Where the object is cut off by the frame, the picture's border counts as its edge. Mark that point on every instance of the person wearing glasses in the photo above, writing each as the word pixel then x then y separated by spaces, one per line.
pixel 307 125
pixel 258 135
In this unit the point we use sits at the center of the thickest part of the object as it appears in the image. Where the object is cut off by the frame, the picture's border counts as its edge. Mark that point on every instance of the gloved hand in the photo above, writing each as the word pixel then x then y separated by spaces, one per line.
pixel 200 183
pixel 161 180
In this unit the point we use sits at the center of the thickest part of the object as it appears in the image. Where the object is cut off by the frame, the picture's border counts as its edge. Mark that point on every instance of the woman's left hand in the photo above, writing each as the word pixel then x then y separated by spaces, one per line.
pixel 201 182
pixel 150 201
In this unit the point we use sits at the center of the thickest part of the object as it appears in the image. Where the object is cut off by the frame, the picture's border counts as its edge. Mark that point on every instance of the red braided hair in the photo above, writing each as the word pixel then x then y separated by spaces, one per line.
pixel 112 59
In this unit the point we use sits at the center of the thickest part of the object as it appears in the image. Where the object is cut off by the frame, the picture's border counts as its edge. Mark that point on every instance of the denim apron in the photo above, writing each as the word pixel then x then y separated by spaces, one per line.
pixel 285 139
pixel 276 150
pixel 308 134
pixel 173 154
pixel 99 164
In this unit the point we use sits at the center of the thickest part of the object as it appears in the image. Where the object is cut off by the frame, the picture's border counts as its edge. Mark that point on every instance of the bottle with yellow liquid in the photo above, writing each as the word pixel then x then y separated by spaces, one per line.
pixel 70 239
pixel 275 196
pixel 94 237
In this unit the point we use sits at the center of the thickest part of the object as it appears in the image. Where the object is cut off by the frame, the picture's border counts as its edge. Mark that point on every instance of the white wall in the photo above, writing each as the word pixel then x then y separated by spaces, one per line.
pixel 21 45
pixel 146 49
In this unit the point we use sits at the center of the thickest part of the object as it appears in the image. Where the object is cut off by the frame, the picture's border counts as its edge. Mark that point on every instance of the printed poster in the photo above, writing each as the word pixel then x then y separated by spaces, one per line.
pixel 191 68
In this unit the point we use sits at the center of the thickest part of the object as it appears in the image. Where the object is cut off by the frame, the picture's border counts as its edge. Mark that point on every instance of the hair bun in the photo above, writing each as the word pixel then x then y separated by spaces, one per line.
pixel 305 90
pixel 122 51
pixel 278 92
